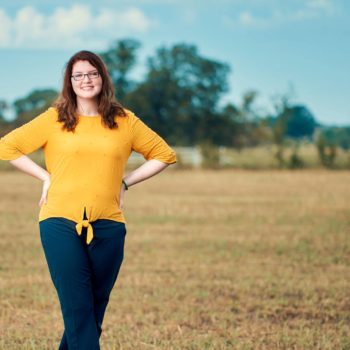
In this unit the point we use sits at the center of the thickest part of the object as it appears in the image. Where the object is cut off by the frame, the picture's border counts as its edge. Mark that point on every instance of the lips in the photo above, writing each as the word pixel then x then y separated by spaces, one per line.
pixel 86 88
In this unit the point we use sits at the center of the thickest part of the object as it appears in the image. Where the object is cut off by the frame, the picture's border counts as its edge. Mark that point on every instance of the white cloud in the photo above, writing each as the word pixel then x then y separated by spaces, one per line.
pixel 311 9
pixel 247 19
pixel 27 25
pixel 136 19
pixel 5 31
pixel 190 15
pixel 315 9
pixel 322 5
pixel 71 21
pixel 69 27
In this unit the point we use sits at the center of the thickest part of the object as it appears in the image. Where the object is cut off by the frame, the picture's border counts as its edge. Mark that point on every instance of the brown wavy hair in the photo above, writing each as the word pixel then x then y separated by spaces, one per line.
pixel 66 103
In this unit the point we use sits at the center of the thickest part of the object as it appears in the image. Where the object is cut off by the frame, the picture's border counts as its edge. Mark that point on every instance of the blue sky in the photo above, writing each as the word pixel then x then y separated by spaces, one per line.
pixel 269 44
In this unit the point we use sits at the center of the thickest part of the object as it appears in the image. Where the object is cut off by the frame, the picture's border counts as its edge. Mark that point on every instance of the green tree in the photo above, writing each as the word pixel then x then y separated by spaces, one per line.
pixel 34 103
pixel 180 95
pixel 232 128
pixel 327 151
pixel 120 58
pixel 3 107
pixel 279 126
pixel 339 136
pixel 295 161
pixel 300 123
pixel 292 122
pixel 5 126
pixel 254 130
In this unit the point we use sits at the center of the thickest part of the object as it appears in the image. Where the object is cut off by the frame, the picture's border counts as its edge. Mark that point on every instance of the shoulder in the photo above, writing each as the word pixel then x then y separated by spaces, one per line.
pixel 130 114
pixel 48 115
pixel 44 119
pixel 52 112
pixel 129 118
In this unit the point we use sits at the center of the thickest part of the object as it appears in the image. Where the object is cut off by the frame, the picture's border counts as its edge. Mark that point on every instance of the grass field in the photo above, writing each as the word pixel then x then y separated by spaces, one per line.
pixel 262 157
pixel 213 260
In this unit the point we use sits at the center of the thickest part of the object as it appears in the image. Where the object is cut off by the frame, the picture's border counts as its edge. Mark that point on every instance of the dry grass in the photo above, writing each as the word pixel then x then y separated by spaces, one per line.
pixel 250 158
pixel 263 157
pixel 214 260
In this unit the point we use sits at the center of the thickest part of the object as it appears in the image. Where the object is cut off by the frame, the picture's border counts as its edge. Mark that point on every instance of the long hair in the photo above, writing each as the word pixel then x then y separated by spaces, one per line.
pixel 66 103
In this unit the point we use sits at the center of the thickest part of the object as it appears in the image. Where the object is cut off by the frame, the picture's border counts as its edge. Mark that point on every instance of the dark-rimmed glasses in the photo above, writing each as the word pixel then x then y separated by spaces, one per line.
pixel 90 75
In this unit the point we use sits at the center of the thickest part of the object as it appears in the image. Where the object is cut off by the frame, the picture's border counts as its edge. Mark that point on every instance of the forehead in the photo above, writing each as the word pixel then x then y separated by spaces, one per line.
pixel 82 66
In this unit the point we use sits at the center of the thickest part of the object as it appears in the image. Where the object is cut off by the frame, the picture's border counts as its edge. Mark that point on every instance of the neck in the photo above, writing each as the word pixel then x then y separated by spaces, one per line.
pixel 87 107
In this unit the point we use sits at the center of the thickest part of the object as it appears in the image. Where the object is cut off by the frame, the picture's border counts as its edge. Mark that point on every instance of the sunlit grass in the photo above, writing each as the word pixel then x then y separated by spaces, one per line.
pixel 213 260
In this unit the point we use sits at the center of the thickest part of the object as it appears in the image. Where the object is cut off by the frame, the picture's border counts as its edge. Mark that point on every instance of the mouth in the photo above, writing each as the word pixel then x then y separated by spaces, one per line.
pixel 87 88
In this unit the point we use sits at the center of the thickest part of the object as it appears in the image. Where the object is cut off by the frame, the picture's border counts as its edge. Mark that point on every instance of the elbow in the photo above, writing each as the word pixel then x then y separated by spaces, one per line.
pixel 11 157
pixel 165 159
pixel 171 158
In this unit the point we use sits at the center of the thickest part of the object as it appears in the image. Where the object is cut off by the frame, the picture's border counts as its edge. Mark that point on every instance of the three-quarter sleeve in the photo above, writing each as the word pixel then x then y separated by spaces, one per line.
pixel 148 143
pixel 27 138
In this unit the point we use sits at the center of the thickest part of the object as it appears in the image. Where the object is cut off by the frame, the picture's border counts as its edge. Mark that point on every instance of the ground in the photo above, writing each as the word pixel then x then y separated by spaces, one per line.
pixel 224 259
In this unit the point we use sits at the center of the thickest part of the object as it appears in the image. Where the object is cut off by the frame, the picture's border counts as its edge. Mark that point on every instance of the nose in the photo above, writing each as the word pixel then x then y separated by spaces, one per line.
pixel 87 76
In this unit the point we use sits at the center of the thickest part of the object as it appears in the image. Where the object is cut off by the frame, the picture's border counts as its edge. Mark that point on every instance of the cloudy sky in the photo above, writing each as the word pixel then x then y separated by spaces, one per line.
pixel 270 45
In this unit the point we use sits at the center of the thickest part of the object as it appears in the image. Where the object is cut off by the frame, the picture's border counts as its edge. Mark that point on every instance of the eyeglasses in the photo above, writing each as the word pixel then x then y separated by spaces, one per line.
pixel 90 75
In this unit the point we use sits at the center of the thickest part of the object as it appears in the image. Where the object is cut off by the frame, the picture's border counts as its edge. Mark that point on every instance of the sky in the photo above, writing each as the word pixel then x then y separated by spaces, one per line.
pixel 275 47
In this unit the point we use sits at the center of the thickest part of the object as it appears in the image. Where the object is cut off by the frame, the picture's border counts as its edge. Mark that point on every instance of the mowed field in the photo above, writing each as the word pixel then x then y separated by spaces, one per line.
pixel 225 259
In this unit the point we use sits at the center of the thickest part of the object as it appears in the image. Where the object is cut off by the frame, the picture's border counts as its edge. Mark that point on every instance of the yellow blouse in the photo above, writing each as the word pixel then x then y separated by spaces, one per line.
pixel 87 166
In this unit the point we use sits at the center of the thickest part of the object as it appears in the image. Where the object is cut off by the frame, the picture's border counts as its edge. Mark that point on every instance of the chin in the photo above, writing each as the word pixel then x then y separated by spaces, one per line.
pixel 88 95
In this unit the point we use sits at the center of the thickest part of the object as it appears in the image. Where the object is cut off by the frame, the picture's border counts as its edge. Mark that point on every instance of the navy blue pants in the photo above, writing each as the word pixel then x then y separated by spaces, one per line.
pixel 83 275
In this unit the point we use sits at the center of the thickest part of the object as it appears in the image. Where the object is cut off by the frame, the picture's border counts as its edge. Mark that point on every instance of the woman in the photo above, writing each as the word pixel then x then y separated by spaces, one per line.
pixel 87 138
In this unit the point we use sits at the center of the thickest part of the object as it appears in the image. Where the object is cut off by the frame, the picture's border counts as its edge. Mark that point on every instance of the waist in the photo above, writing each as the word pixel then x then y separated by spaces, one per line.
pixel 74 210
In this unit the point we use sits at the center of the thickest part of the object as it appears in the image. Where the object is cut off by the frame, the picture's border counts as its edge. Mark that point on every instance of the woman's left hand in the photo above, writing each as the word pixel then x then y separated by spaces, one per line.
pixel 46 185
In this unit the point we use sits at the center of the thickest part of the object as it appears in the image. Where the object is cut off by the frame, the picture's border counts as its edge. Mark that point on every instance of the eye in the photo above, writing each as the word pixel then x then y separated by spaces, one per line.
pixel 94 74
pixel 78 76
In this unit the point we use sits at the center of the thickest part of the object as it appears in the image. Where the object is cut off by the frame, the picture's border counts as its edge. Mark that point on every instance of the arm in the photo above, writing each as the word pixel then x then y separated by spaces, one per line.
pixel 26 165
pixel 148 143
pixel 26 139
pixel 153 148
pixel 145 171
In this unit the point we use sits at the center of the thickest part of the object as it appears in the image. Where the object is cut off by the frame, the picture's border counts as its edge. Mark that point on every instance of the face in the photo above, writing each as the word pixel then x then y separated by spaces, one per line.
pixel 90 86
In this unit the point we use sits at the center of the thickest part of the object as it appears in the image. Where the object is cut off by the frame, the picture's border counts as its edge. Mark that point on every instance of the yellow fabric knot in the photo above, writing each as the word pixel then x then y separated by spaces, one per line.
pixel 85 223
pixel 90 232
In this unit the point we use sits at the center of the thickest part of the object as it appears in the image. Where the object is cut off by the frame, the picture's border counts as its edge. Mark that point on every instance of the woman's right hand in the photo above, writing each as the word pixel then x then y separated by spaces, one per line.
pixel 46 185
pixel 121 197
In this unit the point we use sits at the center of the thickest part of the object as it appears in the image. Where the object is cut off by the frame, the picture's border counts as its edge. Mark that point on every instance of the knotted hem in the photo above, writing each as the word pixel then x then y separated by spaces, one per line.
pixel 85 223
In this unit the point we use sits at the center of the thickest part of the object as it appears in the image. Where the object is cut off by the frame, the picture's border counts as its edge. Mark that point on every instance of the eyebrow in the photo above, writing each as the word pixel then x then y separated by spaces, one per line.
pixel 95 70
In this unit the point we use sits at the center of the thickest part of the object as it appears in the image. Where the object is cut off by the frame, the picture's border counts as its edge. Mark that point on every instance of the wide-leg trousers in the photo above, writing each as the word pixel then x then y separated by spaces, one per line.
pixel 83 275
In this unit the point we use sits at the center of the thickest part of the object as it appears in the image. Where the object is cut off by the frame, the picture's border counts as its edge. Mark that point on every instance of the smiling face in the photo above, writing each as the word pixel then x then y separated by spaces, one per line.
pixel 90 86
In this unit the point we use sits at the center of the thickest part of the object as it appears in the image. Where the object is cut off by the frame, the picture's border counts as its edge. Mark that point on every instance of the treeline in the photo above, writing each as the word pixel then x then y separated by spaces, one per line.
pixel 180 97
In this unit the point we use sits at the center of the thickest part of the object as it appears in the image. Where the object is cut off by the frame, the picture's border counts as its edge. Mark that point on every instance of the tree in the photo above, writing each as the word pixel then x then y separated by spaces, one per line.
pixel 5 126
pixel 36 102
pixel 339 136
pixel 254 129
pixel 279 126
pixel 3 107
pixel 120 59
pixel 231 132
pixel 327 151
pixel 179 97
pixel 300 123
pixel 294 122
